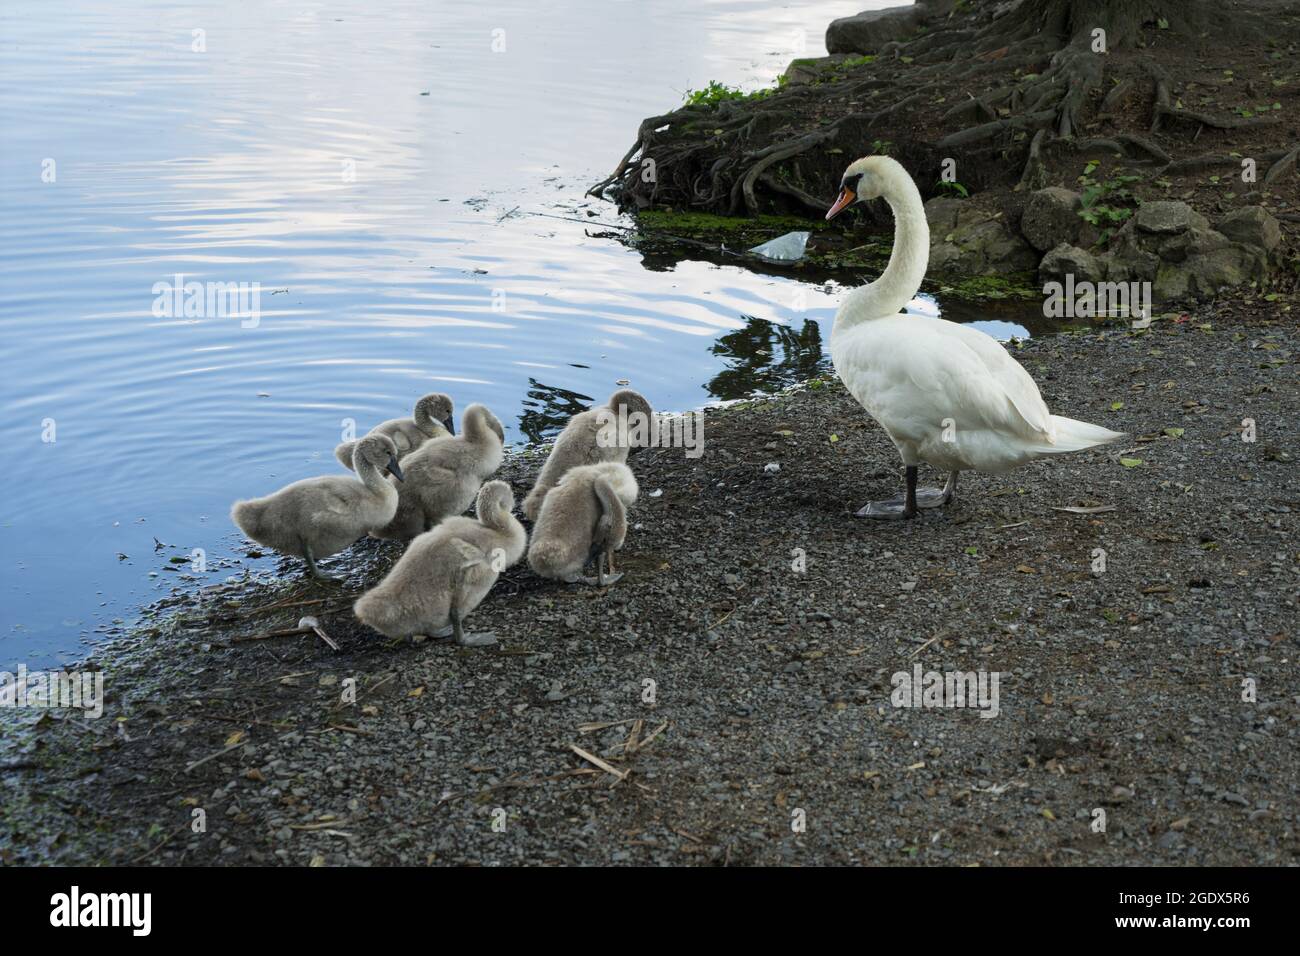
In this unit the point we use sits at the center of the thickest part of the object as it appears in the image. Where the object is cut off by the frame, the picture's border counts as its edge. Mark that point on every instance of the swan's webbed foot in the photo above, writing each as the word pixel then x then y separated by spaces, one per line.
pixel 892 509
pixel 602 579
pixel 316 572
pixel 907 504
pixel 484 639
pixel 937 497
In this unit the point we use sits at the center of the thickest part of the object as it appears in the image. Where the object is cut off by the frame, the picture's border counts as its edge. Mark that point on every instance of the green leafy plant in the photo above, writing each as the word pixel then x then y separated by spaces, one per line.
pixel 716 92
pixel 953 187
pixel 1106 203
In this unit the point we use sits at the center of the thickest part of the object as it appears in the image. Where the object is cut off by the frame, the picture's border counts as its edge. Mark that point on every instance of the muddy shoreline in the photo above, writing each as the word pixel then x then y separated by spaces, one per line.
pixel 1120 691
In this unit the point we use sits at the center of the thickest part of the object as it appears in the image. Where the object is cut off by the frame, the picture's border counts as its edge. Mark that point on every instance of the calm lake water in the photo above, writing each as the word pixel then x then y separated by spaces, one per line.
pixel 403 194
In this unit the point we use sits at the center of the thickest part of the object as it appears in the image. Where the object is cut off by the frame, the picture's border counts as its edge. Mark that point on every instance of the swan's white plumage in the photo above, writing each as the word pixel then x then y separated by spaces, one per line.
pixel 946 394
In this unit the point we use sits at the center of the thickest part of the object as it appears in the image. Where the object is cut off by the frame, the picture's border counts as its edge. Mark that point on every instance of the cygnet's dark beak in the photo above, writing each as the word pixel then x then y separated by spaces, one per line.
pixel 394 469
pixel 450 425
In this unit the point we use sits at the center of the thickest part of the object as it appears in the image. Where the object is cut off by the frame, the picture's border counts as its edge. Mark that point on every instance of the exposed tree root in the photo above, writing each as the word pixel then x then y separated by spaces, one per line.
pixel 1010 84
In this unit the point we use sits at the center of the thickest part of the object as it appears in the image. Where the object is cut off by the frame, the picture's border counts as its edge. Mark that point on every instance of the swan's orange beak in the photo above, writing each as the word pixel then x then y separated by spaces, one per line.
pixel 846 197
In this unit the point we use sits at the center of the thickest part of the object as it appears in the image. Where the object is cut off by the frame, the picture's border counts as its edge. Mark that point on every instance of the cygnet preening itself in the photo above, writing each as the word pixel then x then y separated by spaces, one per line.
pixel 583 518
pixel 432 419
pixel 317 517
pixel 443 476
pixel 446 573
pixel 581 443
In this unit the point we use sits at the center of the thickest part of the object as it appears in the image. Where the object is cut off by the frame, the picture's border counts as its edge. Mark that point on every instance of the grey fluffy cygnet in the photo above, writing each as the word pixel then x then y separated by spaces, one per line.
pixel 582 442
pixel 445 573
pixel 443 476
pixel 431 419
pixel 317 517
pixel 583 518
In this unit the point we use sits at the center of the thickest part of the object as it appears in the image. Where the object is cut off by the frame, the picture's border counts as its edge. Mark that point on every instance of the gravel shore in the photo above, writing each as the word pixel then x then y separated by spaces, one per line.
pixel 738 679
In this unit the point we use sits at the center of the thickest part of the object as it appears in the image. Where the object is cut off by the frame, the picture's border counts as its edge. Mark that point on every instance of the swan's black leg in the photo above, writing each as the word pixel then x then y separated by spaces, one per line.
pixel 907 504
pixel 895 508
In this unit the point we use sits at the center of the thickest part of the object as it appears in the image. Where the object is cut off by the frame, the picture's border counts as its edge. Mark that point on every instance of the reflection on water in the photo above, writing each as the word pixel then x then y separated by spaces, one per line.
pixel 410 203
pixel 548 407
pixel 767 357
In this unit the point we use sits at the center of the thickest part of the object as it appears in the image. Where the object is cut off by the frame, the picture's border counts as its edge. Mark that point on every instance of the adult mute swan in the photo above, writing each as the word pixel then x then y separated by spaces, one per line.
pixel 946 394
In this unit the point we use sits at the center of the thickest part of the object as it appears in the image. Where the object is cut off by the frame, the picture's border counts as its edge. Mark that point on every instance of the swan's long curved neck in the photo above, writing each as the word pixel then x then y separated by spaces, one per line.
pixel 370 474
pixel 476 430
pixel 899 283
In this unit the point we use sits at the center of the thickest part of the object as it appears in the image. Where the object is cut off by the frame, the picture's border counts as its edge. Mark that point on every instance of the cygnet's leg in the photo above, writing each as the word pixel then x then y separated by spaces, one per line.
pixel 601 579
pixel 311 566
pixel 484 639
pixel 613 576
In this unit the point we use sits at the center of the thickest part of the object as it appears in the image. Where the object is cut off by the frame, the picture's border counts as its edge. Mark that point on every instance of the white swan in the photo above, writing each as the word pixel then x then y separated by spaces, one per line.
pixel 946 394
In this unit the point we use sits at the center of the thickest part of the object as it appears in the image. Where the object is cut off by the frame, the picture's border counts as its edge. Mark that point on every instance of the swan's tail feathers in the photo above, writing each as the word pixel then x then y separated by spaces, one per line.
pixel 550 559
pixel 247 516
pixel 1074 435
pixel 375 610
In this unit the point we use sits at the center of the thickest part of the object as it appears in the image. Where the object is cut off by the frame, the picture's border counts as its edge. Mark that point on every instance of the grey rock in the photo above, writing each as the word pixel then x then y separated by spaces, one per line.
pixel 966 239
pixel 1252 226
pixel 1168 217
pixel 1070 260
pixel 1051 217
pixel 868 31
pixel 811 69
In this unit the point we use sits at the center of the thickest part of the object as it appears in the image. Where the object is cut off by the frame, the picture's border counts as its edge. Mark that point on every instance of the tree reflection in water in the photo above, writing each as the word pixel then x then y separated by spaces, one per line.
pixel 767 357
pixel 548 408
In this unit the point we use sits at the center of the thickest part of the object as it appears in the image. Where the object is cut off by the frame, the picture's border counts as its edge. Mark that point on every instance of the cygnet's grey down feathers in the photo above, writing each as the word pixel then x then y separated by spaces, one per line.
pixel 316 517
pixel 442 476
pixel 580 444
pixel 582 517
pixel 431 419
pixel 447 572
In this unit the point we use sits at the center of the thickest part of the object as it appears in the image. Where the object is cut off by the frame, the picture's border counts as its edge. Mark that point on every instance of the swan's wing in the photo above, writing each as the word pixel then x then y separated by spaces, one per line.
pixel 978 397
pixel 913 374
pixel 476 573
pixel 431 476
pixel 1018 385
pixel 337 497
